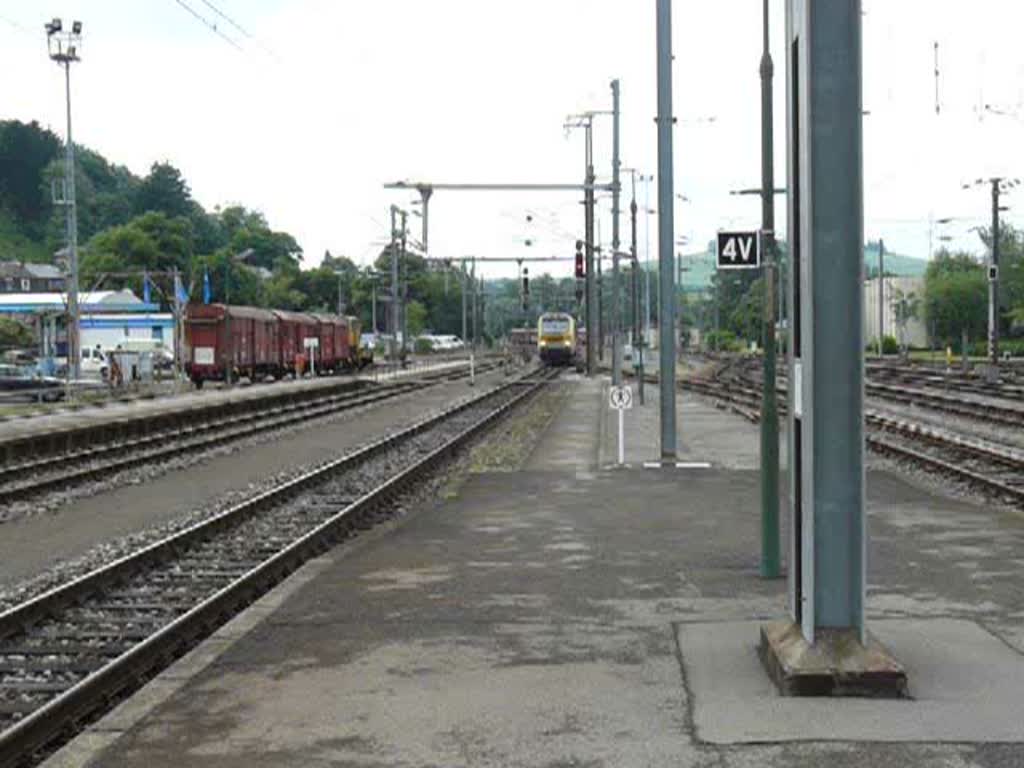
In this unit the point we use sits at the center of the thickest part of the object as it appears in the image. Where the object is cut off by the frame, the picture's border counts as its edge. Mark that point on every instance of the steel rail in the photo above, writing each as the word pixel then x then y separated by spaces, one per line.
pixel 129 454
pixel 78 440
pixel 82 699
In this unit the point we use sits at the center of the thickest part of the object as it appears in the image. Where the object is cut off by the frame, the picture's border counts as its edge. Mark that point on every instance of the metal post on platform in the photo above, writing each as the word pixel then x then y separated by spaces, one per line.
pixel 405 289
pixel 616 281
pixel 770 546
pixel 824 649
pixel 591 278
pixel 881 299
pixel 666 237
pixel 393 341
pixel 826 368
pixel 639 339
pixel 993 282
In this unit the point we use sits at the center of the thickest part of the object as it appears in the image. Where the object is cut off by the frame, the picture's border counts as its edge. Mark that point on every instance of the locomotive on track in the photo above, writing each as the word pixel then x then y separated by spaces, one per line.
pixel 556 338
pixel 257 343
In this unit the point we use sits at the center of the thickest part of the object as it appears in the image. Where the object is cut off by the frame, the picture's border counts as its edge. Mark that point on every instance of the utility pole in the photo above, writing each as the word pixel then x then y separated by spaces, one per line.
pixel 177 327
pixel 465 281
pixel 881 298
pixel 993 281
pixel 647 255
pixel 599 258
pixel 639 338
pixel 591 279
pixel 228 347
pixel 483 308
pixel 405 289
pixel 63 49
pixel 616 287
pixel 771 557
pixel 373 305
pixel 473 284
pixel 394 285
pixel 666 238
pixel 999 186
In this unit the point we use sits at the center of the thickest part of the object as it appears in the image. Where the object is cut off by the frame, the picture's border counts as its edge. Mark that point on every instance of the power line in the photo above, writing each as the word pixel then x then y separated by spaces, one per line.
pixel 207 23
pixel 239 27
pixel 18 26
pixel 226 18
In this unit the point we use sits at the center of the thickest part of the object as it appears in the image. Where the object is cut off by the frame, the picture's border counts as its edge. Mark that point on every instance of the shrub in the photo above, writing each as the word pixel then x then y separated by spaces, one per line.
pixel 723 341
pixel 423 346
pixel 889 345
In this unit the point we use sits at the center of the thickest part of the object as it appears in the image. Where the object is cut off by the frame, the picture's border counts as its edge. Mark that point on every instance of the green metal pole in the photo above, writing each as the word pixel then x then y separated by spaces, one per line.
pixel 771 567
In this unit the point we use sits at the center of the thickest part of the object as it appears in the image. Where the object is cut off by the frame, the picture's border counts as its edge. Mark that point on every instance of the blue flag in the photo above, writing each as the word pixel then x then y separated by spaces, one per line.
pixel 145 287
pixel 206 286
pixel 179 290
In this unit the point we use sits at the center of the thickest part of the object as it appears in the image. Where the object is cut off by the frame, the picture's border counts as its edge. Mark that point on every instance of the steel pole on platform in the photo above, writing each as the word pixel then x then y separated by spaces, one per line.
pixel 591 278
pixel 666 264
pixel 393 345
pixel 771 556
pixel 826 363
pixel 993 282
pixel 616 278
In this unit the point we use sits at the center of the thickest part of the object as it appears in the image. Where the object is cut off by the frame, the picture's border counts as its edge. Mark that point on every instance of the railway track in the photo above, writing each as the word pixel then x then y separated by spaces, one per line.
pixel 925 392
pixel 993 469
pixel 23 480
pixel 67 653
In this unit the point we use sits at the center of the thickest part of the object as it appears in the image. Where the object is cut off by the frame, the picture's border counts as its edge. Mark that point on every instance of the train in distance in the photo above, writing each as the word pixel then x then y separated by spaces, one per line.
pixel 557 341
pixel 258 343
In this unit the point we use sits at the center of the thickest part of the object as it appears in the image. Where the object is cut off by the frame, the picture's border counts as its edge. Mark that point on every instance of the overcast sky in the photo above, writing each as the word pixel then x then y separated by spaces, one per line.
pixel 329 99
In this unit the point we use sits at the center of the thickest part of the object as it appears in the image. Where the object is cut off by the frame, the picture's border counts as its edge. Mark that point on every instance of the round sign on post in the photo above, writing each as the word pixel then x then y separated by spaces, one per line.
pixel 620 398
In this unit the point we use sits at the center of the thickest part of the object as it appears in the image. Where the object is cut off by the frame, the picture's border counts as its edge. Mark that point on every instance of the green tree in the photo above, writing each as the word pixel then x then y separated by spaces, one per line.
pixel 164 190
pixel 26 150
pixel 956 297
pixel 416 318
pixel 152 242
pixel 14 335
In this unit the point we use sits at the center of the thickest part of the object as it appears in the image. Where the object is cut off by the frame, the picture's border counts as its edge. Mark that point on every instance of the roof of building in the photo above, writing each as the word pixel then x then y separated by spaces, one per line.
pixel 46 271
pixel 112 301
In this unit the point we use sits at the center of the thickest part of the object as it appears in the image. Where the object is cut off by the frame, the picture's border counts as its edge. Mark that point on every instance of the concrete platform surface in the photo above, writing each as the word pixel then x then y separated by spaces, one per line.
pixel 966 687
pixel 568 615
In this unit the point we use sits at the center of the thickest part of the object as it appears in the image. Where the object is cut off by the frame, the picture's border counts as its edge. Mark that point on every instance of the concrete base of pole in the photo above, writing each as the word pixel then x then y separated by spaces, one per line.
pixel 836 665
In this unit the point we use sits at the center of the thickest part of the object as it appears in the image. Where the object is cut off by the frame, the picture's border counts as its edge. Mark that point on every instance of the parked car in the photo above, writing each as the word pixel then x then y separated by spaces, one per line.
pixel 16 381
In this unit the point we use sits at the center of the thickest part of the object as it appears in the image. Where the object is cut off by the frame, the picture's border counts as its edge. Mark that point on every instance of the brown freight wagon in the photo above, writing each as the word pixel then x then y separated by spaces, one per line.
pixel 294 328
pixel 242 339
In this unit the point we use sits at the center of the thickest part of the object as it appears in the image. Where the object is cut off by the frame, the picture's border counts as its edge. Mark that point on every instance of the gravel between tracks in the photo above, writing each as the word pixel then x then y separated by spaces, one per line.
pixel 98 530
pixel 51 501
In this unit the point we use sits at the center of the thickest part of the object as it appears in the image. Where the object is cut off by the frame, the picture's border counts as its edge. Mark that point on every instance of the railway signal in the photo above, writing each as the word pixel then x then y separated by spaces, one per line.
pixel 526 288
pixel 580 273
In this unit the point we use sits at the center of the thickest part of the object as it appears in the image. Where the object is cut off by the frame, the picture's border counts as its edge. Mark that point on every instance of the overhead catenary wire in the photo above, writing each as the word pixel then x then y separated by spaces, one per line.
pixel 246 33
pixel 207 23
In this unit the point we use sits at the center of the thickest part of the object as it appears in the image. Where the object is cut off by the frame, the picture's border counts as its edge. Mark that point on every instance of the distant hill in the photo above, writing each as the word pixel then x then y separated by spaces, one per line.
pixel 697 268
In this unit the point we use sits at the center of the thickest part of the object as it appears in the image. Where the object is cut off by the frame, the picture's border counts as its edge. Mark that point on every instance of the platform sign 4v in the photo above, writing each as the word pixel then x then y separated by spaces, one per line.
pixel 739 250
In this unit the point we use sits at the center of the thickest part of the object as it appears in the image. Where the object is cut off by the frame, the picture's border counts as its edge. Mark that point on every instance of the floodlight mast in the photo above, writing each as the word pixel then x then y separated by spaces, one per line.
pixel 63 48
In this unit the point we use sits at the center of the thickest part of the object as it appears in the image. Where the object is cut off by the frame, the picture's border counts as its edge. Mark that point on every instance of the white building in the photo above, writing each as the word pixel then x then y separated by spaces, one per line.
pixel 108 331
pixel 916 333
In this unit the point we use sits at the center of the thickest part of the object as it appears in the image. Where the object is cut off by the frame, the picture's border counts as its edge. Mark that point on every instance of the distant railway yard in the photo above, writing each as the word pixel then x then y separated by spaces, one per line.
pixel 957 425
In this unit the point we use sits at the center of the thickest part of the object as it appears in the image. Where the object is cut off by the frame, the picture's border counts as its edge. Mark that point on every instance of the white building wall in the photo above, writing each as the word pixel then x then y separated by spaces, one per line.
pixel 916 331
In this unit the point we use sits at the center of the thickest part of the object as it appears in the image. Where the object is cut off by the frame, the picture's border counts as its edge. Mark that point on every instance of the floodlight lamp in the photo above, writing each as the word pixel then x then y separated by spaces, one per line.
pixel 54 26
pixel 76 28
pixel 71 52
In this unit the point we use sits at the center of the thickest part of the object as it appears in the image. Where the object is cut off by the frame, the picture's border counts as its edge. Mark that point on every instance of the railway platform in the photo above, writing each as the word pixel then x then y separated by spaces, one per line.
pixel 566 612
